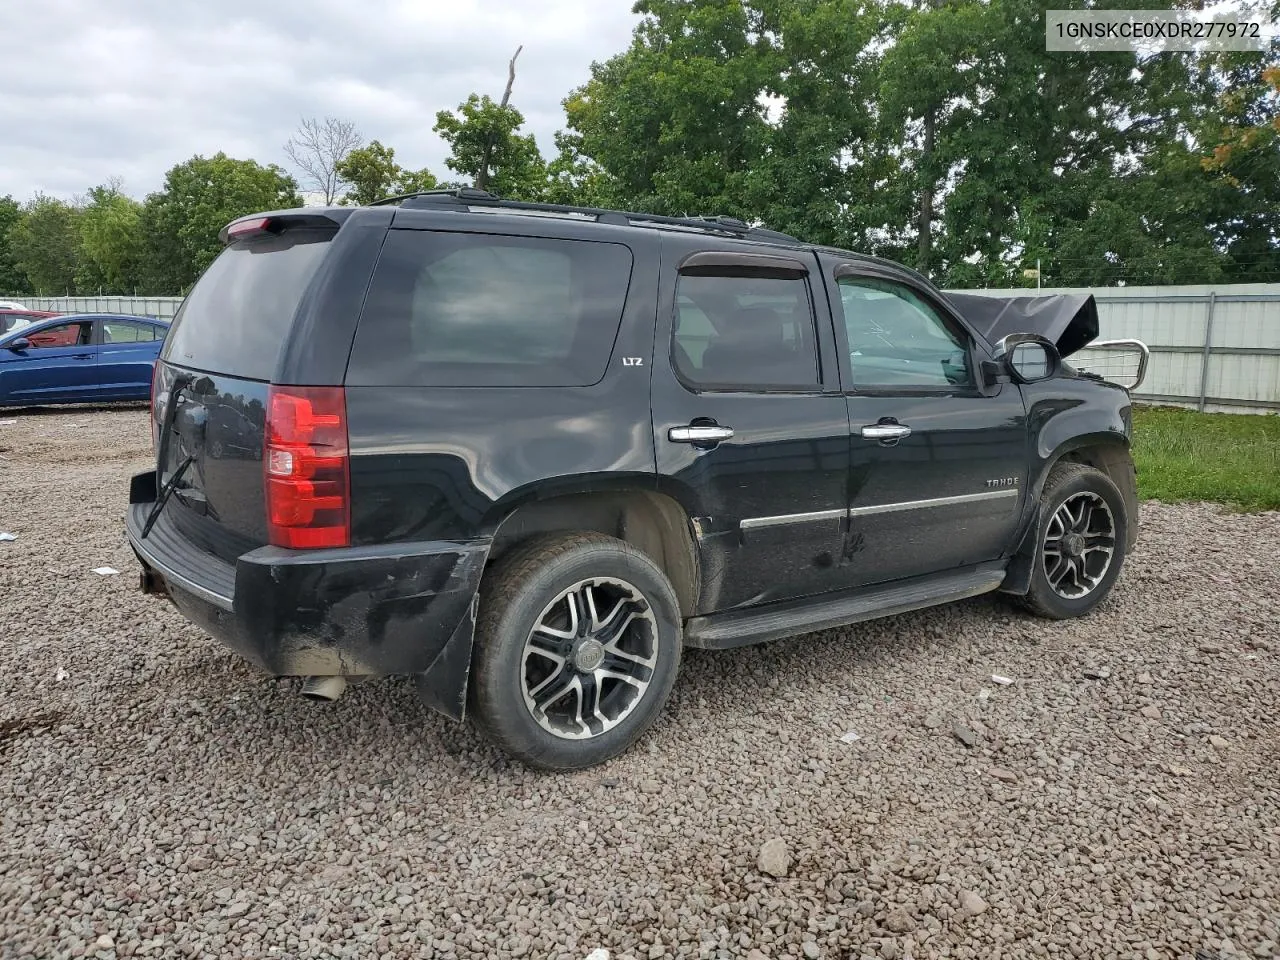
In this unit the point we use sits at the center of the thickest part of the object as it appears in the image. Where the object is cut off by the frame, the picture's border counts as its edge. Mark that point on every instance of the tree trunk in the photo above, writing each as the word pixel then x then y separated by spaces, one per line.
pixel 926 193
pixel 482 175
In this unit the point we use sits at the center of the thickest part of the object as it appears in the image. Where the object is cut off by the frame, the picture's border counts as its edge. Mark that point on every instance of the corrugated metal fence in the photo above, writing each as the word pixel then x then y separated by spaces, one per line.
pixel 162 307
pixel 1215 348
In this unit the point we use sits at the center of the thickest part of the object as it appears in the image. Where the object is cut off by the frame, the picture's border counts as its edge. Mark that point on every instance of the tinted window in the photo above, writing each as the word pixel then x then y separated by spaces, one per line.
pixel 458 309
pixel 896 338
pixel 124 331
pixel 63 335
pixel 241 310
pixel 745 331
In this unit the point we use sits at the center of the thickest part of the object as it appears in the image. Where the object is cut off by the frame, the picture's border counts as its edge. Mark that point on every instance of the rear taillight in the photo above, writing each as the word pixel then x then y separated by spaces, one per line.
pixel 305 465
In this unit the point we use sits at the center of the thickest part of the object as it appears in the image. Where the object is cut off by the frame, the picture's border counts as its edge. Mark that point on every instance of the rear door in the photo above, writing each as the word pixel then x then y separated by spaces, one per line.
pixel 750 427
pixel 126 353
pixel 59 365
pixel 938 466
pixel 221 353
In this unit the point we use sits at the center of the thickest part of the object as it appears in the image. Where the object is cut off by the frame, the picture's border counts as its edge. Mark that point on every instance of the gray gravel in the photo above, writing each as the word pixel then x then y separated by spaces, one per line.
pixel 162 799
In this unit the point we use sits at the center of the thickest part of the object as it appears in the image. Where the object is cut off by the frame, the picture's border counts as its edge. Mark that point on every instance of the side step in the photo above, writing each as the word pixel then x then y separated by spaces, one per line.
pixel 787 618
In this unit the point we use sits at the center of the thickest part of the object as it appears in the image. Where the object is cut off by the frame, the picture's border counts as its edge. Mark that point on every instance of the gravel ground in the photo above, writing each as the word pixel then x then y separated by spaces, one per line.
pixel 1121 797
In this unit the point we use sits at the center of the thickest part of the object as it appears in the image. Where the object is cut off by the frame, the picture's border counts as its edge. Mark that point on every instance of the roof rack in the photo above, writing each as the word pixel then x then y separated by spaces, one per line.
pixel 468 197
pixel 442 195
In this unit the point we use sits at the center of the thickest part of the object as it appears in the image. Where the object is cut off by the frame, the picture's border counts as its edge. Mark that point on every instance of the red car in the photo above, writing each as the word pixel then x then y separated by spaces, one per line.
pixel 17 319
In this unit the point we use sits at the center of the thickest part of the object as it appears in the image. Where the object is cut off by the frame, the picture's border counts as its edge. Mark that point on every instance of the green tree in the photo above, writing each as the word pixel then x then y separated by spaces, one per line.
pixel 1149 211
pixel 821 174
pixel 111 240
pixel 200 197
pixel 760 110
pixel 46 245
pixel 481 130
pixel 373 174
pixel 1242 147
pixel 164 268
pixel 1009 153
pixel 937 132
pixel 416 181
pixel 575 179
pixel 927 75
pixel 13 280
pixel 675 120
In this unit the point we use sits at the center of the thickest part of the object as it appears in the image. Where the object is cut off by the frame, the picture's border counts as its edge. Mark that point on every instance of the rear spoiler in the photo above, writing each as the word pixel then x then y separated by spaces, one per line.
pixel 1069 320
pixel 277 221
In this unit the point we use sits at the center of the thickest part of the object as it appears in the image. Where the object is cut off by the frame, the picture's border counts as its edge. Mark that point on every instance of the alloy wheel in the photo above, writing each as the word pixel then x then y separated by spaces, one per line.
pixel 1079 544
pixel 589 659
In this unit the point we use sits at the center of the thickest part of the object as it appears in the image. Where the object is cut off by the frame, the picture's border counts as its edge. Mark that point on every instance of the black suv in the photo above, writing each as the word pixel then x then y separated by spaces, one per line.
pixel 528 453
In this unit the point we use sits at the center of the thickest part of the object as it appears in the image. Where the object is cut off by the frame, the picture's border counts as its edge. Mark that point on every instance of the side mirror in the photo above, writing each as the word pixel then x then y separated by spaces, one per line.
pixel 22 343
pixel 1028 357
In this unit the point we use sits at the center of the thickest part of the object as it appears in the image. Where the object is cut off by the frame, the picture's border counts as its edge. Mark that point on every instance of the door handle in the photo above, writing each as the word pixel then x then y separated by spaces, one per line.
pixel 885 432
pixel 699 433
pixel 82 356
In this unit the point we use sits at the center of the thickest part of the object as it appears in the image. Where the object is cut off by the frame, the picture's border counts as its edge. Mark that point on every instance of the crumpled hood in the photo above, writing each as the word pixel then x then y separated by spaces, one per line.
pixel 1069 320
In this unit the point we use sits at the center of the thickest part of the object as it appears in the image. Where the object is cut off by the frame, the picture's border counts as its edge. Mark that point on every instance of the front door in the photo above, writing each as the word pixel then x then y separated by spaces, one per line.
pixel 750 428
pixel 60 364
pixel 938 467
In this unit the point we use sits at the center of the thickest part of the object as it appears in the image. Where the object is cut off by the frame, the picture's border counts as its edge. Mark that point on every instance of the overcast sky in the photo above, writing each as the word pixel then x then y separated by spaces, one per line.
pixel 92 89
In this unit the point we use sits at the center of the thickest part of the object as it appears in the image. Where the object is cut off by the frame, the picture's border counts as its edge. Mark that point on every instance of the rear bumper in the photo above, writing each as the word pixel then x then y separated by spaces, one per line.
pixel 405 608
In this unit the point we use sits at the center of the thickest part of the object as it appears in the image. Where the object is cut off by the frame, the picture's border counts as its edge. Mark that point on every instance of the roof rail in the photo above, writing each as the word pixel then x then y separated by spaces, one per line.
pixel 443 195
pixel 468 197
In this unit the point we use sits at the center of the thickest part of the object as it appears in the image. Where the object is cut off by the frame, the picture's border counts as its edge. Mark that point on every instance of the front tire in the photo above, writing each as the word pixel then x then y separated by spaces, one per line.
pixel 578 646
pixel 1082 532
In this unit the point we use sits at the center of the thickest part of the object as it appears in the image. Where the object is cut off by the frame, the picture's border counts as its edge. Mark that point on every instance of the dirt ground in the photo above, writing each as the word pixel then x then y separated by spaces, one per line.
pixel 1121 797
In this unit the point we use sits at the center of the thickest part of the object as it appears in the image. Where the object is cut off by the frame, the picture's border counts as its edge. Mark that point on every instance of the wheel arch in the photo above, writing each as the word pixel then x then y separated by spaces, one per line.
pixel 1107 452
pixel 652 522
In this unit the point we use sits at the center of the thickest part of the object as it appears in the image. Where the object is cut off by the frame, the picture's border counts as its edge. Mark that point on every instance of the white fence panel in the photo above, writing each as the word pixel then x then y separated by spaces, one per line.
pixel 162 307
pixel 1247 323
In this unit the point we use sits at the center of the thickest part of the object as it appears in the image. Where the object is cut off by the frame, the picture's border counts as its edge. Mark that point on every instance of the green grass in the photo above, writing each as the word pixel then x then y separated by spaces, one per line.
pixel 1228 458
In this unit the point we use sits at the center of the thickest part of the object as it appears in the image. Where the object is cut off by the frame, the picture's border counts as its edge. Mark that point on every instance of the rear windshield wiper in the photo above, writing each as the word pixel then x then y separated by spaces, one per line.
pixel 180 383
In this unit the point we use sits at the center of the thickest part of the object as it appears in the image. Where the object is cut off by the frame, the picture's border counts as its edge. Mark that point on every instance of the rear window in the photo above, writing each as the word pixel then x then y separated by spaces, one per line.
pixel 123 331
pixel 465 309
pixel 240 312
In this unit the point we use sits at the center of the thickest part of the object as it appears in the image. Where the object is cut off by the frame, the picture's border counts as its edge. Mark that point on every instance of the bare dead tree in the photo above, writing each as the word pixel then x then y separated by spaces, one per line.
pixel 482 176
pixel 317 149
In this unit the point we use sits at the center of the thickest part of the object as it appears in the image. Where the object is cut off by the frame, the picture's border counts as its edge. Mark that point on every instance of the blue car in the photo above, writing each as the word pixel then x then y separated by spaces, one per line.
pixel 80 358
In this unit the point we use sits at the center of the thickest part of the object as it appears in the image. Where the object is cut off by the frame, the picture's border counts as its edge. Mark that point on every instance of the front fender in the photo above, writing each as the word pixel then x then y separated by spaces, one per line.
pixel 1072 418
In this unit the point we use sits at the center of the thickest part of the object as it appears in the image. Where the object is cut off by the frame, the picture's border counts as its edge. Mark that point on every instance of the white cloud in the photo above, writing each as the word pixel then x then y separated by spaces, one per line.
pixel 89 90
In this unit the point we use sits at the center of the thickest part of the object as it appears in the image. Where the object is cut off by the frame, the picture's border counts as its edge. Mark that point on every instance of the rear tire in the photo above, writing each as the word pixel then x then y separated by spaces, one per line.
pixel 578 646
pixel 1082 532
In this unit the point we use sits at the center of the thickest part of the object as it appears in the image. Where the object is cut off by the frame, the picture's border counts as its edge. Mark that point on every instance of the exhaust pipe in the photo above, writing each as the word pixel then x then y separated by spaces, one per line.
pixel 325 689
